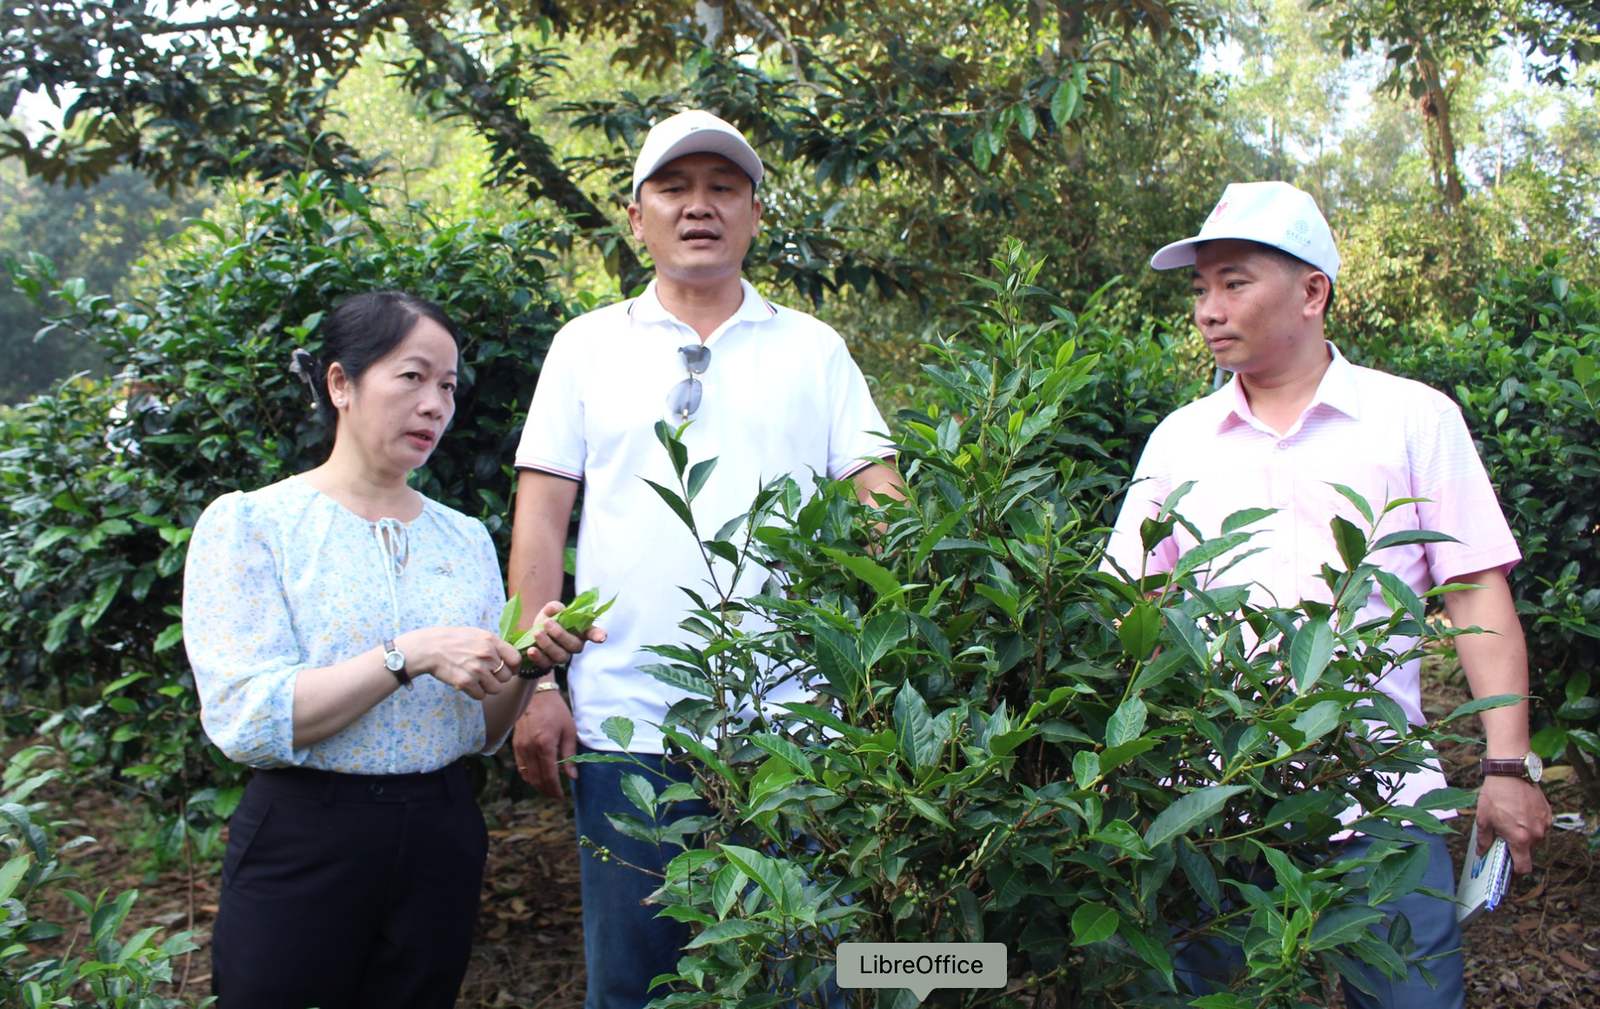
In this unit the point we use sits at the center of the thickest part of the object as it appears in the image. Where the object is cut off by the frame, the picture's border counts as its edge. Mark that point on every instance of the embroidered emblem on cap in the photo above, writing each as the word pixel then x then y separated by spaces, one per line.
pixel 1270 213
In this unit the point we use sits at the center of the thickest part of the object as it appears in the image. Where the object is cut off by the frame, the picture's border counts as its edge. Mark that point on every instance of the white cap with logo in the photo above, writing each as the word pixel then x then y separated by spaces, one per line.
pixel 1272 213
pixel 693 132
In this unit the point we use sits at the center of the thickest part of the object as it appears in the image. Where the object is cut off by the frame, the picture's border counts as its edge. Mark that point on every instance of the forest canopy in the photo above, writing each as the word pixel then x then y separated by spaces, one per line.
pixel 902 137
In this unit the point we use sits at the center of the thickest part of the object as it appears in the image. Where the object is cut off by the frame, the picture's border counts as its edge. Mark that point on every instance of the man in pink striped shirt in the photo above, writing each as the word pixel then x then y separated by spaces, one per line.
pixel 1296 419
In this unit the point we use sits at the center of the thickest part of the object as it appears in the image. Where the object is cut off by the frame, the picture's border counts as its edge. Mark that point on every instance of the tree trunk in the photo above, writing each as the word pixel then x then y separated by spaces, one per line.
pixel 1436 113
pixel 462 81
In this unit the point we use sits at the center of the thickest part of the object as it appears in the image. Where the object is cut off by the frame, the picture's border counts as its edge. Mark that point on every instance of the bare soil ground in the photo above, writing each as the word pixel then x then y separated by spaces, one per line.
pixel 1541 950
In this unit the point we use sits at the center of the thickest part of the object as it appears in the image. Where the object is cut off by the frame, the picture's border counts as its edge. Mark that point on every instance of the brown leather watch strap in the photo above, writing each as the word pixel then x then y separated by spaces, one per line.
pixel 1515 767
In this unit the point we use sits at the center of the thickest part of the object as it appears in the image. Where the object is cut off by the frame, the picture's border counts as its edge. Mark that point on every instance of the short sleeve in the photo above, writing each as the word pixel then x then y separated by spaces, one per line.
pixel 1459 501
pixel 1152 482
pixel 552 439
pixel 240 637
pixel 857 435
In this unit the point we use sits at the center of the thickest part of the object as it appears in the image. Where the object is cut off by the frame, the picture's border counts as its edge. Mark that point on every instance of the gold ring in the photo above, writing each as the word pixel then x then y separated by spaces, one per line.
pixel 501 666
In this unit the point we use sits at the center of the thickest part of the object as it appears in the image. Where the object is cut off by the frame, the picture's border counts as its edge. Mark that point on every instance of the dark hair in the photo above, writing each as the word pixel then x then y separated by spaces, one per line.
pixel 362 330
pixel 1292 263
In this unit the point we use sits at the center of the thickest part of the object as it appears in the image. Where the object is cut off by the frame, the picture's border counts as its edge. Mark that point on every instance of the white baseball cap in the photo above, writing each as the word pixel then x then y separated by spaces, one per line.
pixel 693 132
pixel 1272 213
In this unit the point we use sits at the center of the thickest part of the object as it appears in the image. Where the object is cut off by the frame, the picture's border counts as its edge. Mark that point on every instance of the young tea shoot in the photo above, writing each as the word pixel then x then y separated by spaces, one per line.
pixel 577 618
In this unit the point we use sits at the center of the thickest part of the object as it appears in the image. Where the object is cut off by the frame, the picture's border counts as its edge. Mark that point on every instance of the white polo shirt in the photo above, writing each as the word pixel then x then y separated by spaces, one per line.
pixel 782 396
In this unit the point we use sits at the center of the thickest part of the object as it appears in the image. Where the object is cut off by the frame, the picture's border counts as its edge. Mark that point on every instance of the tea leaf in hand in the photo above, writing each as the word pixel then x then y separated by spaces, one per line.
pixel 581 614
pixel 511 616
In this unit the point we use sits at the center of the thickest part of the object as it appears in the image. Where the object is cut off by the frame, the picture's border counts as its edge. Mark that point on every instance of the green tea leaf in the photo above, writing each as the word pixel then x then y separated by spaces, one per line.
pixel 1140 630
pixel 1092 923
pixel 1476 705
pixel 1244 517
pixel 699 473
pixel 1411 536
pixel 1356 499
pixel 619 730
pixel 1188 811
pixel 679 507
pixel 1310 654
pixel 582 613
pixel 865 568
pixel 511 617
pixel 1350 541
pixel 1126 722
pixel 1319 719
pixel 1343 924
pixel 919 742
pixel 640 792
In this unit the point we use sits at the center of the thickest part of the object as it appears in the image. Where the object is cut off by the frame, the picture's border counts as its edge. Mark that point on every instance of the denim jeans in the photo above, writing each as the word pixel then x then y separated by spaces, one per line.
pixel 1205 965
pixel 624 943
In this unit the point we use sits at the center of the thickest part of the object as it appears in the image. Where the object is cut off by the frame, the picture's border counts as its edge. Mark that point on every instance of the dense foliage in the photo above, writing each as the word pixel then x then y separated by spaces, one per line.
pixel 838 93
pixel 1006 744
pixel 96 234
pixel 110 970
pixel 103 483
pixel 1526 371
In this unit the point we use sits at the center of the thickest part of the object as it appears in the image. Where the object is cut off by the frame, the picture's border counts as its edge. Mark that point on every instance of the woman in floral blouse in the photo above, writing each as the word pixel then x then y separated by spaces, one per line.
pixel 340 629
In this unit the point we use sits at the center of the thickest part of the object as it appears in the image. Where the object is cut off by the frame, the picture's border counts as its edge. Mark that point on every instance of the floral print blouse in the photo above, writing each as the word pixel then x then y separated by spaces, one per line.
pixel 284 580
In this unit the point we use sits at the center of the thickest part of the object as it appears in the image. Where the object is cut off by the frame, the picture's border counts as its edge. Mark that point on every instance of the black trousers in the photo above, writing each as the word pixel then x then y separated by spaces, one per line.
pixel 349 891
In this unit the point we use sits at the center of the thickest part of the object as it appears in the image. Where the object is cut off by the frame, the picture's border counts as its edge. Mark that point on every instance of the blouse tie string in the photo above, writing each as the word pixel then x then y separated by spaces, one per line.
pixel 394 546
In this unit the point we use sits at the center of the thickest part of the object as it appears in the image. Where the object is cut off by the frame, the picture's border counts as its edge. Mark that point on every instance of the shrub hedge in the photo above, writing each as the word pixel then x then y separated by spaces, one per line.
pixel 1014 747
pixel 97 508
pixel 1526 371
pixel 1008 746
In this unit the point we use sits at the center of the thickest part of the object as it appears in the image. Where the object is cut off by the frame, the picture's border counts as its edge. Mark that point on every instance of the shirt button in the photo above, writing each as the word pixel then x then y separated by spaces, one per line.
pixel 1283 446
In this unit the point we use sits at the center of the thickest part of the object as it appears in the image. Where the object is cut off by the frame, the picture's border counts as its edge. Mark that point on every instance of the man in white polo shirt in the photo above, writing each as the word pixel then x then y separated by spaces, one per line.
pixel 1296 419
pixel 765 390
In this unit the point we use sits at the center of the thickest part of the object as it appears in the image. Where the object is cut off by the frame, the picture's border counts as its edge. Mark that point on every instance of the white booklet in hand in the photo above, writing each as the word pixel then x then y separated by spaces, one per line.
pixel 1483 879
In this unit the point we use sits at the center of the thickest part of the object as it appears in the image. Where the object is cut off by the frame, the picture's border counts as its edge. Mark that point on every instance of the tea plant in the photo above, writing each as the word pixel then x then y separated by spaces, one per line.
pixel 101 968
pixel 1006 743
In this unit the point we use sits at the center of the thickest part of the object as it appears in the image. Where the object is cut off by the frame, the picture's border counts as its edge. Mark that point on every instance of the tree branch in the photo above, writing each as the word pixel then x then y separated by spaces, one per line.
pixel 465 87
pixel 291 25
pixel 768 26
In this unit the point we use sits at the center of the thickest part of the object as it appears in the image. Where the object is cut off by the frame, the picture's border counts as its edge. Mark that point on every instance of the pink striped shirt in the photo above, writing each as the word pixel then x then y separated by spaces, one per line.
pixel 1384 437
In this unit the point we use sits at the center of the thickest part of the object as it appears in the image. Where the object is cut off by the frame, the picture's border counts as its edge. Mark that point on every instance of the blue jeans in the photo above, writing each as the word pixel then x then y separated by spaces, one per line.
pixel 624 943
pixel 1205 965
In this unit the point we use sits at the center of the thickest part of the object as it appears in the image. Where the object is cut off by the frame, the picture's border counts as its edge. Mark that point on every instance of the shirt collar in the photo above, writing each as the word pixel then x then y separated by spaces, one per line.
pixel 753 307
pixel 1337 391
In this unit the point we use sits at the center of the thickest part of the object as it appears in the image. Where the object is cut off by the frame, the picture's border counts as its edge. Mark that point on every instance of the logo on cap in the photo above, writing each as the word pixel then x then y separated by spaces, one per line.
pixel 1218 211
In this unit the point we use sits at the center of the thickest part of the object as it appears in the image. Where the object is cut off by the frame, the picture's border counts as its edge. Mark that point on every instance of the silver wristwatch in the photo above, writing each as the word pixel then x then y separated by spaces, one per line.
pixel 395 661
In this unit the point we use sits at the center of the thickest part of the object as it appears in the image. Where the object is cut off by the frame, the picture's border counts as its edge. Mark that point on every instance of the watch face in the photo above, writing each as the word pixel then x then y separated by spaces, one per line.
pixel 1534 765
pixel 394 661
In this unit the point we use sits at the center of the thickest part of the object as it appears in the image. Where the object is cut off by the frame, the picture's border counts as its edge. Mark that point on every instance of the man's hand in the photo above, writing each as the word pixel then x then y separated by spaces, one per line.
pixel 545 734
pixel 1515 809
pixel 1496 662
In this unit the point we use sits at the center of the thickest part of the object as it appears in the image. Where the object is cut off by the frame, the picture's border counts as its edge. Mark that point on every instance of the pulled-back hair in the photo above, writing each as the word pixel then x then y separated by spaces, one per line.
pixel 362 330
